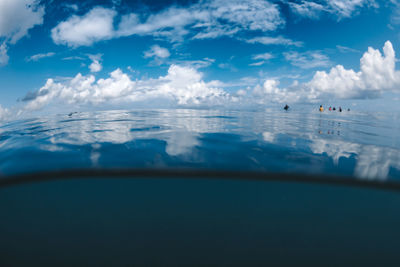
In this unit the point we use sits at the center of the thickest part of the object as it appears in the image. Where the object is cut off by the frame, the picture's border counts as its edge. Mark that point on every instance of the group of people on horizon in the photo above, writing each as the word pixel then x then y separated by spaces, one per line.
pixel 321 108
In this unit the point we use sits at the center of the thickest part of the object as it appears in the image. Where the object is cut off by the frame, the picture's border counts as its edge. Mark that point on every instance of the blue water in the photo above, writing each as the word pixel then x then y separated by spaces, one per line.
pixel 361 145
pixel 160 221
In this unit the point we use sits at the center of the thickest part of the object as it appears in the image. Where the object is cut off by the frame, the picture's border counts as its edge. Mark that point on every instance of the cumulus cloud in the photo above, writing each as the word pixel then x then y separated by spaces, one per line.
pixel 339 8
pixel 157 52
pixel 271 92
pixel 181 86
pixel 206 19
pixel 184 85
pixel 17 17
pixel 94 26
pixel 377 75
pixel 95 66
pixel 307 60
pixel 40 56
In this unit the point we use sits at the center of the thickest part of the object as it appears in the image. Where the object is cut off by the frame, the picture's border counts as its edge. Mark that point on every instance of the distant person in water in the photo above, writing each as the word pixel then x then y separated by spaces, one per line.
pixel 334 108
pixel 286 107
pixel 348 109
pixel 340 109
pixel 321 108
pixel 330 108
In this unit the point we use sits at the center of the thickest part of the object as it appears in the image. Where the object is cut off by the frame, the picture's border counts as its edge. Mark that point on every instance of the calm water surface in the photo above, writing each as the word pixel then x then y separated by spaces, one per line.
pixel 204 222
pixel 362 145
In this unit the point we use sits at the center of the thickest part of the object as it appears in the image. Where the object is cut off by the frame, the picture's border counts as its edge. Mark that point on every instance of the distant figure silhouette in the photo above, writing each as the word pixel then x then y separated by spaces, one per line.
pixel 340 109
pixel 330 108
pixel 286 107
pixel 321 108
pixel 348 109
pixel 334 108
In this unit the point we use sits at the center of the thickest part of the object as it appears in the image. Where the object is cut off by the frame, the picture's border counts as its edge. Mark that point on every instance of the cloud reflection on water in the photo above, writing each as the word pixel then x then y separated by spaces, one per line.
pixel 274 141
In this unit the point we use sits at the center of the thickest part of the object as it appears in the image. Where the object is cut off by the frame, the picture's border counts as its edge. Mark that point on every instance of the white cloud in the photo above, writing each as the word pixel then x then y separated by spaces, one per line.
pixel 181 86
pixel 377 74
pixel 279 40
pixel 240 15
pixel 95 66
pixel 258 63
pixel 168 23
pixel 270 92
pixel 157 52
pixel 307 60
pixel 92 27
pixel 197 64
pixel 307 9
pixel 17 17
pixel 345 49
pixel 252 14
pixel 213 19
pixel 263 58
pixel 227 66
pixel 3 54
pixel 73 58
pixel 395 16
pixel 206 19
pixel 184 86
pixel 40 56
pixel 346 8
pixel 339 8
pixel 216 31
pixel 73 7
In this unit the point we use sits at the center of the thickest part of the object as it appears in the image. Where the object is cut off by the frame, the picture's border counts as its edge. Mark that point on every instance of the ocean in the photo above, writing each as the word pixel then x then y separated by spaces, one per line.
pixel 80 219
pixel 350 143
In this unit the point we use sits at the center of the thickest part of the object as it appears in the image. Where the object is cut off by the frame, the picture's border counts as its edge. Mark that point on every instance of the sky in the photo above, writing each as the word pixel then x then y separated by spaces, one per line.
pixel 58 55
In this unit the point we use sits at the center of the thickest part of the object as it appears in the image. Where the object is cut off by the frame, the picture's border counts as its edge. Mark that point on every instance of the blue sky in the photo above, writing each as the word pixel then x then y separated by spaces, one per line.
pixel 117 53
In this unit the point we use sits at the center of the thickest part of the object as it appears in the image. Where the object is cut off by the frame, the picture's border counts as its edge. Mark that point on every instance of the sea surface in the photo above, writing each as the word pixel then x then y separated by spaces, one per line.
pixel 153 221
pixel 350 143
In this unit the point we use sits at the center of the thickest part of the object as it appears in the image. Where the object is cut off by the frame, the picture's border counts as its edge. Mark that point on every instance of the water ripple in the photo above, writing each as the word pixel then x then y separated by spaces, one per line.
pixel 359 145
